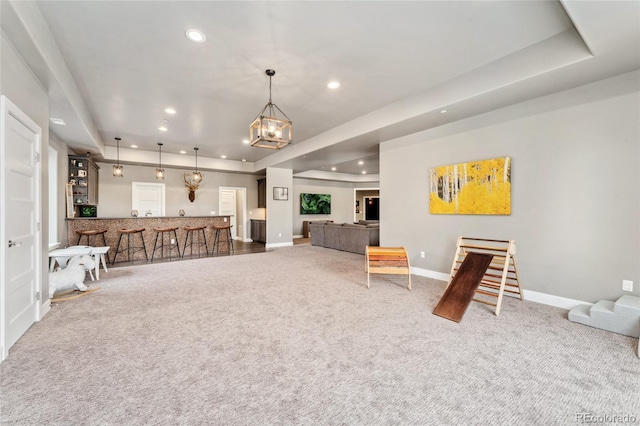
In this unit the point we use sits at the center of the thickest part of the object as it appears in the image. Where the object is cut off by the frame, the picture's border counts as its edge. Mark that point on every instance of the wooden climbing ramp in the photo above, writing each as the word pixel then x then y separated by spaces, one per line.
pixel 501 275
pixel 462 288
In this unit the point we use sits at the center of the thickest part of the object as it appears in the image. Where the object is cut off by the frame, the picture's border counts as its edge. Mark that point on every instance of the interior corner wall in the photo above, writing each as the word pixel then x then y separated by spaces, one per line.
pixel 62 179
pixel 342 201
pixel 575 190
pixel 279 212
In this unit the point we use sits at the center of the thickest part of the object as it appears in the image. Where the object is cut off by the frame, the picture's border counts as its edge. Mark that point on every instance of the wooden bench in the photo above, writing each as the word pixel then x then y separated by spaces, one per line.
pixel 387 260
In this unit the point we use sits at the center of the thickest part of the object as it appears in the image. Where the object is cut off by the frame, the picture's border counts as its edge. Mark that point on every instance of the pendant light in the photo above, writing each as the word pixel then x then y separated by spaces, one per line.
pixel 118 170
pixel 159 170
pixel 196 176
pixel 267 130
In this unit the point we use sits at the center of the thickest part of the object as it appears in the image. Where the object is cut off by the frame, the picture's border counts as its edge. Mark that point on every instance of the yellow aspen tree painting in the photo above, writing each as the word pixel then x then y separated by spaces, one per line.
pixel 477 187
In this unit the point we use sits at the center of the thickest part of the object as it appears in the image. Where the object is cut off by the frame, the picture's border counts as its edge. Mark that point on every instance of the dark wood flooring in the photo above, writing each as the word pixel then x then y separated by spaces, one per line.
pixel 239 249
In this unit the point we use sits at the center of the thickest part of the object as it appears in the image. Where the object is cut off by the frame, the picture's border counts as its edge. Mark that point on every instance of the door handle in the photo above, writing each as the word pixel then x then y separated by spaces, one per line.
pixel 15 243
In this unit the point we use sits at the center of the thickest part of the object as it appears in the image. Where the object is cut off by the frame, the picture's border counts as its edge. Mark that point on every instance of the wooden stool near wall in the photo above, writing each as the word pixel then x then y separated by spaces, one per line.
pixel 198 230
pixel 172 242
pixel 130 249
pixel 92 233
pixel 226 230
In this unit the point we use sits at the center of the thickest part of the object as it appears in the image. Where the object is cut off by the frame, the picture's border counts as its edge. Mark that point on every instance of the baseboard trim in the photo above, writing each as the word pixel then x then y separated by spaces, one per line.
pixel 430 274
pixel 551 300
pixel 45 308
pixel 276 245
pixel 529 295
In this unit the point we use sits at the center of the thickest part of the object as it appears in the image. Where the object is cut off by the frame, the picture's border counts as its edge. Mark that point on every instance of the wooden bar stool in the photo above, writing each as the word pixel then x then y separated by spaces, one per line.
pixel 197 230
pixel 161 232
pixel 226 230
pixel 93 233
pixel 130 249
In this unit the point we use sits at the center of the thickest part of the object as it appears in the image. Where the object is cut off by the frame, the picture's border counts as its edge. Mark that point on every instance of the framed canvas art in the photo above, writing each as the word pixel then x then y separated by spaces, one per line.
pixel 477 187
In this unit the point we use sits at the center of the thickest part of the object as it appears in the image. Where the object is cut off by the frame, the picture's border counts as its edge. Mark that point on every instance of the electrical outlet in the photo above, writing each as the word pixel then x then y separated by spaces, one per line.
pixel 225 219
pixel 422 255
pixel 279 234
pixel 627 285
pixel 173 241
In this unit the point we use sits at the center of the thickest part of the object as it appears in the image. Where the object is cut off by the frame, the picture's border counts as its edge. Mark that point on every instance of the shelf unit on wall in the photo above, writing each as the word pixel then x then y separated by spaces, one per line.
pixel 262 193
pixel 83 176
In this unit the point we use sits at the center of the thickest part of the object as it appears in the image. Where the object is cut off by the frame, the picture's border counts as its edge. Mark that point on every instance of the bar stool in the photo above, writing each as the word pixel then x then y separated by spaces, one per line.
pixel 131 250
pixel 225 229
pixel 161 232
pixel 93 233
pixel 190 231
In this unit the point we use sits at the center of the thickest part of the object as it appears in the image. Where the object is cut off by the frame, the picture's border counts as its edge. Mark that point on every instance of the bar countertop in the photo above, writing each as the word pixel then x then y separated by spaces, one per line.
pixel 149 223
pixel 144 217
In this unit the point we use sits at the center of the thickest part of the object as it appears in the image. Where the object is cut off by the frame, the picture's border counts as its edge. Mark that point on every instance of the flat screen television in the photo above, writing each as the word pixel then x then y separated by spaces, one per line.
pixel 315 203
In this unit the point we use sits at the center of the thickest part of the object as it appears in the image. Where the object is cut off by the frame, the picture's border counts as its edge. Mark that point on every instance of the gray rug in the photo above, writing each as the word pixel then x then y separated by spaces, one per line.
pixel 294 337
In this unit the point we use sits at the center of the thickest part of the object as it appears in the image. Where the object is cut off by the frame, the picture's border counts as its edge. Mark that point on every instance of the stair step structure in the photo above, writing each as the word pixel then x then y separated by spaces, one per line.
pixel 621 316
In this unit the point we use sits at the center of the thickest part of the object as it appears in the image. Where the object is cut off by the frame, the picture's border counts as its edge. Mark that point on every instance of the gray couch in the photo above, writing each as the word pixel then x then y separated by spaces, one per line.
pixel 346 237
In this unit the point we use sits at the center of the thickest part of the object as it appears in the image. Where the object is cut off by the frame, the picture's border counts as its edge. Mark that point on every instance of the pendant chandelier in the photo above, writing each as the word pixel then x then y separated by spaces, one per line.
pixel 159 170
pixel 192 180
pixel 118 170
pixel 267 130
pixel 195 177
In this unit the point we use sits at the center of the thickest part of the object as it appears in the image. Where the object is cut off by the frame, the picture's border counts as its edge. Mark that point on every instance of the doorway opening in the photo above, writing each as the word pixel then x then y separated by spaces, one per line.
pixel 359 205
pixel 232 202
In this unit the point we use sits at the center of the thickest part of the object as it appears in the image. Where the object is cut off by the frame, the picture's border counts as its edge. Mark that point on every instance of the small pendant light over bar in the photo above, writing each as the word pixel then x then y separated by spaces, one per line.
pixel 118 170
pixel 192 180
pixel 267 130
pixel 159 170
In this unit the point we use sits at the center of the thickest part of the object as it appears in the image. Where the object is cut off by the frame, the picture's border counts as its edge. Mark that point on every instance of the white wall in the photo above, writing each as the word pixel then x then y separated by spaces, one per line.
pixel 575 190
pixel 115 193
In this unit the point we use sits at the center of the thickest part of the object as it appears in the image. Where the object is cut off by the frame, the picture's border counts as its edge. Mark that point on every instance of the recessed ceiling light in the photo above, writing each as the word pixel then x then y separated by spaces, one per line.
pixel 333 85
pixel 244 160
pixel 443 111
pixel 195 35
pixel 134 146
pixel 364 172
pixel 183 152
pixel 245 141
pixel 58 121
pixel 361 162
pixel 333 169
pixel 162 129
pixel 223 156
pixel 170 110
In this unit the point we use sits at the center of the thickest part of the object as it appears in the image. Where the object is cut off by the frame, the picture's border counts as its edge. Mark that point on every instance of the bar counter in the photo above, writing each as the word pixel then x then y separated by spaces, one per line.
pixel 113 224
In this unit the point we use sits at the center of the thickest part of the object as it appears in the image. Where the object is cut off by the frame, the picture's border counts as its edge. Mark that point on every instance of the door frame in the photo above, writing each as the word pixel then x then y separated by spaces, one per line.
pixel 242 191
pixel 355 198
pixel 9 108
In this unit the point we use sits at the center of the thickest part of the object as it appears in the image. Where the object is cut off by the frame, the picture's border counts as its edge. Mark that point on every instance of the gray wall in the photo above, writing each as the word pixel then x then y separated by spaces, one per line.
pixel 115 193
pixel 342 201
pixel 575 189
pixel 279 211
pixel 21 87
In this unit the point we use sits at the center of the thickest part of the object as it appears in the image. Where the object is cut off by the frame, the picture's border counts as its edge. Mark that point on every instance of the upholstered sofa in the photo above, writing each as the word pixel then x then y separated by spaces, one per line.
pixel 345 236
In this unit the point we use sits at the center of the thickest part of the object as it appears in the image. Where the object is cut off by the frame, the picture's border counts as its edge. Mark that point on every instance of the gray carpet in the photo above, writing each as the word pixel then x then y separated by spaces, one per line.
pixel 293 337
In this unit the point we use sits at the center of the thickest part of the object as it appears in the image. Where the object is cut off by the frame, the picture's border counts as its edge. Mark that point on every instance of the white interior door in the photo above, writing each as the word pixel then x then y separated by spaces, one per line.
pixel 228 207
pixel 20 141
pixel 148 197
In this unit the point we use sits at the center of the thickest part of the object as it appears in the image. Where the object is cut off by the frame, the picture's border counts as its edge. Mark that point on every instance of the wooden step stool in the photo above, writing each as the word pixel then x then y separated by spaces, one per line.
pixel 387 260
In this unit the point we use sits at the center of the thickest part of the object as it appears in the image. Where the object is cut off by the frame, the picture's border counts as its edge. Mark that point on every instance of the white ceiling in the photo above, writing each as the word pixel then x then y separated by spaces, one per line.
pixel 399 64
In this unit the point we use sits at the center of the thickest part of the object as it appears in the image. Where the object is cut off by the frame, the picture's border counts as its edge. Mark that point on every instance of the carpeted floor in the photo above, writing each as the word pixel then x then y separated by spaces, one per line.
pixel 293 337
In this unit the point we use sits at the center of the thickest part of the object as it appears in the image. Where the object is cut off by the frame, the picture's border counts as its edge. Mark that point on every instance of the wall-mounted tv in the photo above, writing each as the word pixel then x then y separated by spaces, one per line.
pixel 315 203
